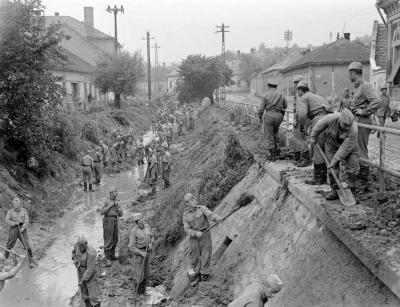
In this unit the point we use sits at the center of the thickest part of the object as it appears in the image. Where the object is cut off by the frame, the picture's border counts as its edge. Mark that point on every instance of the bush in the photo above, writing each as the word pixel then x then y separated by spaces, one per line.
pixel 90 131
pixel 120 118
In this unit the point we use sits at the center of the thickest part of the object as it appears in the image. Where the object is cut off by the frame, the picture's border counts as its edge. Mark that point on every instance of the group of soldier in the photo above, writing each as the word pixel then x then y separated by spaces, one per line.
pixel 336 133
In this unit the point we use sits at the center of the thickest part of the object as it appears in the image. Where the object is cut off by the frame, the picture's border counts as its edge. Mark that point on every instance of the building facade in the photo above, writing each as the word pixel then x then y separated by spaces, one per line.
pixel 83 46
pixel 238 84
pixel 326 68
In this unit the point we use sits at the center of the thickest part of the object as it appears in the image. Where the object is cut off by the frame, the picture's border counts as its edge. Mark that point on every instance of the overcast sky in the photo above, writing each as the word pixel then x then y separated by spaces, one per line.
pixel 183 27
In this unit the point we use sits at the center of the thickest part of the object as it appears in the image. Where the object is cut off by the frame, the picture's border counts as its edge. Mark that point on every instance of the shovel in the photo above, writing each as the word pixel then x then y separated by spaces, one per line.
pixel 345 195
pixel 243 201
pixel 11 252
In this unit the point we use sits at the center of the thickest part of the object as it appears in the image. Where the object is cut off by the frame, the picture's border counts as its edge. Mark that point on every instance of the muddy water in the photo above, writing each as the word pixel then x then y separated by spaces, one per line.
pixel 53 281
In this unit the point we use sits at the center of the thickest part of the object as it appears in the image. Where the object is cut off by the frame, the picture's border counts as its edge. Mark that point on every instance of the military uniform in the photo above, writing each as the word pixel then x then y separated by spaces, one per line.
pixel 273 104
pixel 86 264
pixel 17 220
pixel 87 171
pixel 139 243
pixel 383 110
pixel 97 166
pixel 110 227
pixel 365 103
pixel 340 146
pixel 200 248
pixel 313 107
pixel 166 168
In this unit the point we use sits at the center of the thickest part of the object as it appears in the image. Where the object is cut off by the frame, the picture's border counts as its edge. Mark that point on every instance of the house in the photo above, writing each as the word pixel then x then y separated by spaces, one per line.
pixel 259 85
pixel 238 84
pixel 84 46
pixel 378 56
pixel 392 11
pixel 325 68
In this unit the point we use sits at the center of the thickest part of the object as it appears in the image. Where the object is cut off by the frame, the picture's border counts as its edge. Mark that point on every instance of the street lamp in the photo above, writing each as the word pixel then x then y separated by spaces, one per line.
pixel 115 11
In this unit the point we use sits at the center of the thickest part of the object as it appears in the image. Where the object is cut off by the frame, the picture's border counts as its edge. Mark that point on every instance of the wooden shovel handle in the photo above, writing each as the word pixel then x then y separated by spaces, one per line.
pixel 327 164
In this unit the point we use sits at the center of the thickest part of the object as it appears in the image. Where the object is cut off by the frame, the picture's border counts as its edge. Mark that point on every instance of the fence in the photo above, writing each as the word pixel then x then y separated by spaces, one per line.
pixel 381 167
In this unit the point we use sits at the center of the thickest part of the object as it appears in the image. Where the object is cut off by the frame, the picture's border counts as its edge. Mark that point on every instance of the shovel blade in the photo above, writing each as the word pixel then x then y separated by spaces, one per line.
pixel 346 197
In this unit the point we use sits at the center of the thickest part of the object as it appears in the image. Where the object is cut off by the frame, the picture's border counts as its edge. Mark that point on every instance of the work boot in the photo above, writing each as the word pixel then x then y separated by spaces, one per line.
pixel 85 186
pixel 271 155
pixel 332 195
pixel 304 160
pixel 319 175
pixel 91 188
pixel 87 303
pixel 297 156
pixel 363 177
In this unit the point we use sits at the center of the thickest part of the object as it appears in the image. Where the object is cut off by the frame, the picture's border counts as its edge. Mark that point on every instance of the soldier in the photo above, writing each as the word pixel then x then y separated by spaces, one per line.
pixel 87 171
pixel 257 294
pixel 166 165
pixel 97 166
pixel 313 107
pixel 298 141
pixel 85 260
pixel 273 104
pixel 140 244
pixel 140 154
pixel 112 212
pixel 384 109
pixel 195 222
pixel 341 133
pixel 105 152
pixel 8 273
pixel 365 103
pixel 18 220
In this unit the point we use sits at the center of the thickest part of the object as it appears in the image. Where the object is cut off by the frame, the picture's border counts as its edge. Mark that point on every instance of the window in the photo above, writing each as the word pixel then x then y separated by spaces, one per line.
pixel 75 91
pixel 238 82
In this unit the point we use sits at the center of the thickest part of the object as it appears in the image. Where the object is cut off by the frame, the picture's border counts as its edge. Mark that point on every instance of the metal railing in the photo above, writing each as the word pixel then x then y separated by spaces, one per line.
pixel 381 166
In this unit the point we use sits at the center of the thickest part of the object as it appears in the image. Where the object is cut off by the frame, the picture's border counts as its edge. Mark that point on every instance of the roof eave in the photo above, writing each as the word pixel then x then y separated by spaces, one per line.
pixel 305 65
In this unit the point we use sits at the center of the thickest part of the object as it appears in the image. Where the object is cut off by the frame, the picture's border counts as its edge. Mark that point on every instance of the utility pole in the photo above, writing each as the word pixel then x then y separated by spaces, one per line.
pixel 156 81
pixel 148 38
pixel 222 29
pixel 115 11
pixel 288 36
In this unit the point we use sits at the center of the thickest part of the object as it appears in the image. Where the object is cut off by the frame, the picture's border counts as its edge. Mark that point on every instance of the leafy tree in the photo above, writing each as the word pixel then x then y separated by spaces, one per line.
pixel 29 97
pixel 201 76
pixel 120 74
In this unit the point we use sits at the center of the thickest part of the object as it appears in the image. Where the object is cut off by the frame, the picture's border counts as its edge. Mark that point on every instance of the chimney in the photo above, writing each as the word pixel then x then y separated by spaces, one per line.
pixel 57 14
pixel 88 16
pixel 347 36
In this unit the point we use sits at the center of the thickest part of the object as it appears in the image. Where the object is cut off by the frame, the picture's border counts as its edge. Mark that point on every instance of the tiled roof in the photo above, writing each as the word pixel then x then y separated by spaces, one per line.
pixel 75 63
pixel 341 51
pixel 78 26
pixel 292 58
pixel 381 46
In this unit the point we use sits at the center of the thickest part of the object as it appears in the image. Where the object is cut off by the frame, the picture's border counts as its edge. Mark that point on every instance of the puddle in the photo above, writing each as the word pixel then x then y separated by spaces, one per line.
pixel 54 280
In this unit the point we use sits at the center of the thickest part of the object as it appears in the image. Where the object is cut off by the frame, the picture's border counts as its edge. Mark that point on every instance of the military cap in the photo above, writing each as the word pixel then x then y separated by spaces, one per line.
pixel 275 283
pixel 273 82
pixel 303 84
pixel 355 66
pixel 164 144
pixel 297 79
pixel 82 241
pixel 384 87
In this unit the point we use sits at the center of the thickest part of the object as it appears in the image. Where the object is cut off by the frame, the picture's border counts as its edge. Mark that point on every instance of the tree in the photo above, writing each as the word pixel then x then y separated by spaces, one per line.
pixel 120 74
pixel 201 76
pixel 29 97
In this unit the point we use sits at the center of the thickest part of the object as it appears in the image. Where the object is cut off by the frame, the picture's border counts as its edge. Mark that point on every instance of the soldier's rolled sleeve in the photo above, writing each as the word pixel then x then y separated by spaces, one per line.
pixel 26 219
pixel 373 98
pixel 9 221
pixel 188 229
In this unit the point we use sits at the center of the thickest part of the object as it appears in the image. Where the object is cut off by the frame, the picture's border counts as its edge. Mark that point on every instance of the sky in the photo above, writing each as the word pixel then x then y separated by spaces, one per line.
pixel 183 27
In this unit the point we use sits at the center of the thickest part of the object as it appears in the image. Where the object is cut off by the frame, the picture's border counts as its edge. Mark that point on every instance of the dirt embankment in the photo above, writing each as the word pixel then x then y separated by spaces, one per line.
pixel 47 199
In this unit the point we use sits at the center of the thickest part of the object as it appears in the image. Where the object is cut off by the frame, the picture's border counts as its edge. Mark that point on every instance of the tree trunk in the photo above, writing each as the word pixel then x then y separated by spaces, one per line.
pixel 117 101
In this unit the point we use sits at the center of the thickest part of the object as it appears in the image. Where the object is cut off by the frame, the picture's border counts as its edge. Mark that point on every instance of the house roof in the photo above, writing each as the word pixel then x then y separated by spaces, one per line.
pixel 173 73
pixel 290 59
pixel 381 50
pixel 75 63
pixel 78 26
pixel 341 51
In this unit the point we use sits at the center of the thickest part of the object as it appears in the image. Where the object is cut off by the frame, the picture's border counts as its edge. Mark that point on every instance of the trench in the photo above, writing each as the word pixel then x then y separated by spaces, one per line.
pixel 53 281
